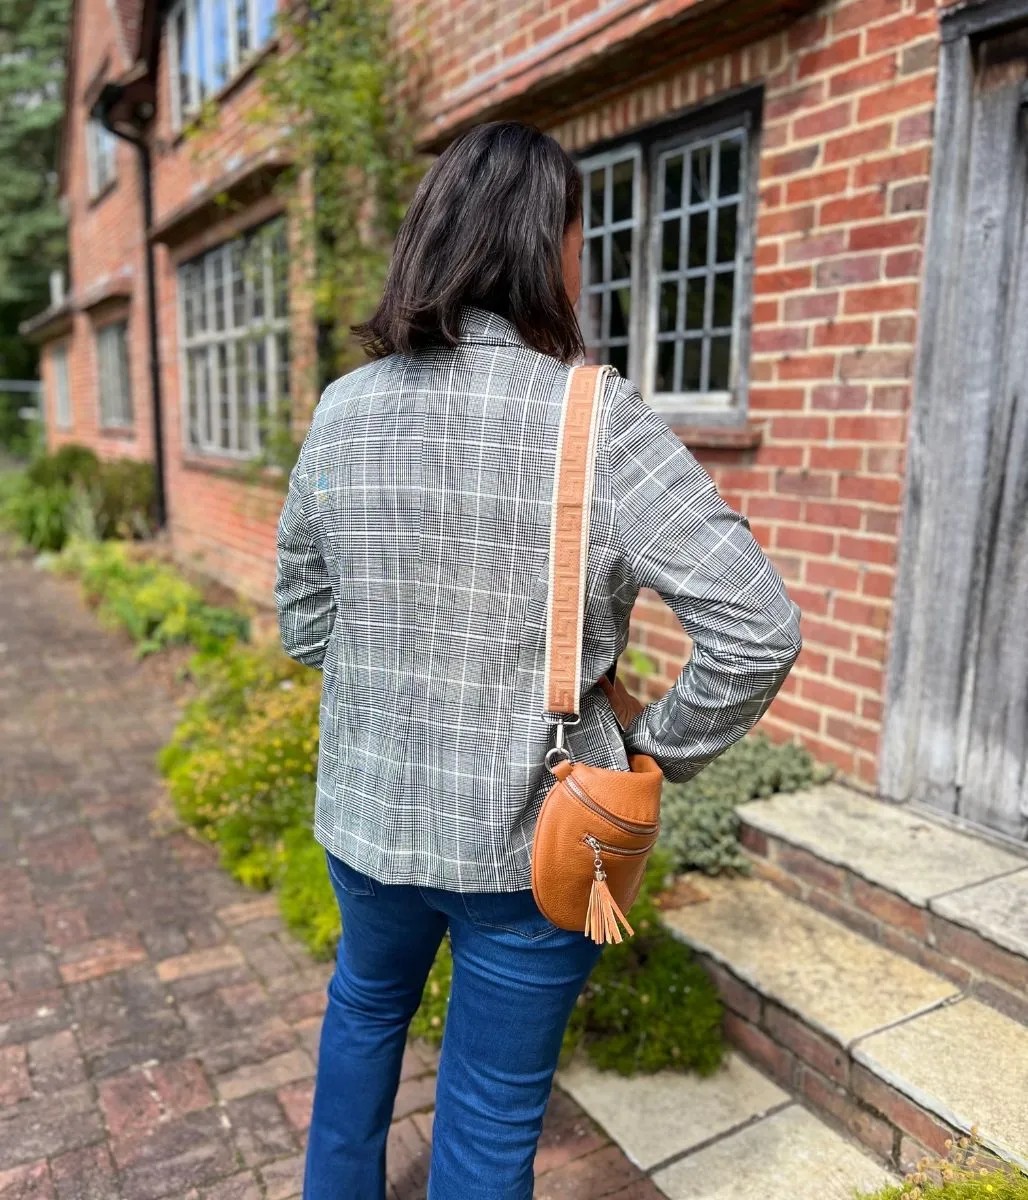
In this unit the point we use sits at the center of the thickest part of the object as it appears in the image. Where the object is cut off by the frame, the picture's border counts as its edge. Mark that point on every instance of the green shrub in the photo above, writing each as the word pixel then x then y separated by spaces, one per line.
pixel 305 893
pixel 69 465
pixel 242 764
pixel 151 601
pixel 700 828
pixel 71 491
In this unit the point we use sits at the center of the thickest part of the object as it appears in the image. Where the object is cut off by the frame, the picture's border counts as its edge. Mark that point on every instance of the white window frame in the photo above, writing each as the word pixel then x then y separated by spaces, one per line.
pixel 101 157
pixel 649 151
pixel 202 12
pixel 203 407
pixel 114 376
pixel 63 416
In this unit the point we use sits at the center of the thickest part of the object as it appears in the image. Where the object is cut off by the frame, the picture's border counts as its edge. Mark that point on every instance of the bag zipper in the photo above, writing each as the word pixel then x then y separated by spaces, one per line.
pixel 576 789
pixel 599 847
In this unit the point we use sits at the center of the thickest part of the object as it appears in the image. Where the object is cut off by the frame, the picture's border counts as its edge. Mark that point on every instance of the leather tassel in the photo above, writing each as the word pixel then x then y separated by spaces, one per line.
pixel 603 915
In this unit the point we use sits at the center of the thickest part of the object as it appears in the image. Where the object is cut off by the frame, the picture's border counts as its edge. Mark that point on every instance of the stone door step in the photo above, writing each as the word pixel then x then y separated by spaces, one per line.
pixel 894 1054
pixel 733 1136
pixel 951 901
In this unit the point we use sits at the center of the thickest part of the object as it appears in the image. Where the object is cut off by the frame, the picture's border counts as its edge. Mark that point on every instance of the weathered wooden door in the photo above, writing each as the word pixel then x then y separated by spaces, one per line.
pixel 956 731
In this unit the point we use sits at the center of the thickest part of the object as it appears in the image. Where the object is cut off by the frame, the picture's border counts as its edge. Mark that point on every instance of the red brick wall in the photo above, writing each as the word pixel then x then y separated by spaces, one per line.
pixel 844 172
pixel 105 245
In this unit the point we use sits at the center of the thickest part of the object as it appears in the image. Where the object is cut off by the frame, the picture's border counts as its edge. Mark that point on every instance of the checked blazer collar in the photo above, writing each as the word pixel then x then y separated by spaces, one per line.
pixel 481 327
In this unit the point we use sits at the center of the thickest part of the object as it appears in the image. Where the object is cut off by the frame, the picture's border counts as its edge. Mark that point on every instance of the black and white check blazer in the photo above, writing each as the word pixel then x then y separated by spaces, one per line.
pixel 412 567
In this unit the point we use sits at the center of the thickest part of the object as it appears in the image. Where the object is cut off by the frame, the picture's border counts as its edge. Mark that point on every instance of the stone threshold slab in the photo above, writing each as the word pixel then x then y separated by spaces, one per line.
pixel 788 1154
pixel 654 1118
pixel 893 847
pixel 996 910
pixel 835 980
pixel 967 1064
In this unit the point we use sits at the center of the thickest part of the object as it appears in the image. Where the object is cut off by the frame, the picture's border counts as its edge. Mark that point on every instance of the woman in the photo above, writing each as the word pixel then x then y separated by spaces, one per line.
pixel 412 569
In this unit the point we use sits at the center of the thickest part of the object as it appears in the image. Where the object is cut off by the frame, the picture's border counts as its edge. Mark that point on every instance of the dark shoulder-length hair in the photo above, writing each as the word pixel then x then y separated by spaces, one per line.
pixel 486 228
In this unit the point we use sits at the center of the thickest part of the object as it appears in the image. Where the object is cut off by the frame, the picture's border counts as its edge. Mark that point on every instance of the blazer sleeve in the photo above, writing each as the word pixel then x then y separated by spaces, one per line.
pixel 685 543
pixel 303 588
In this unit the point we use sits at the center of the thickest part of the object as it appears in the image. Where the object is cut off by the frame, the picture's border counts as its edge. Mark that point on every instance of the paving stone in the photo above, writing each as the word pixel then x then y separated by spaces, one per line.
pixel 199 962
pixel 86 1174
pixel 265 1076
pixel 260 1129
pixel 283 1179
pixel 886 844
pixel 997 909
pixel 839 982
pixel 55 1062
pixel 967 1064
pixel 788 1154
pixel 653 1117
pixel 247 911
pixel 101 957
pixel 238 1187
pixel 567 1133
pixel 273 1037
pixel 602 1173
pixel 30 1181
pixel 407 1159
pixel 50 1125
pixel 296 1100
pixel 15 1084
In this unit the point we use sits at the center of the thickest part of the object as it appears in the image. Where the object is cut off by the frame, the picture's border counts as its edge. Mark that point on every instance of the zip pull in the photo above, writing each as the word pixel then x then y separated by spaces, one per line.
pixel 603 914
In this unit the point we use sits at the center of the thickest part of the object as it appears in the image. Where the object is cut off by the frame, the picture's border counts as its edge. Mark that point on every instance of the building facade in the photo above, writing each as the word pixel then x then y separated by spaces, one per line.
pixel 758 179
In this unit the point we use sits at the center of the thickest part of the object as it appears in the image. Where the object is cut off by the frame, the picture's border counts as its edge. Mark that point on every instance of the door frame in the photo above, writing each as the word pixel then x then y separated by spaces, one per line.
pixel 961 26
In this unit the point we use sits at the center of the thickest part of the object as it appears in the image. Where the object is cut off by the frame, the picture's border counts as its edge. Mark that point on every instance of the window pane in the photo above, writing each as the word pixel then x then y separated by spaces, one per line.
pixel 620 312
pixel 124 381
pixel 260 367
pixel 224 396
pixel 203 61
pixel 673 183
pixel 265 20
pixel 699 187
pixel 692 365
pixel 619 358
pixel 699 223
pixel 621 255
pixel 593 313
pixel 218 291
pixel 595 259
pixel 221 50
pixel 695 301
pixel 731 167
pixel 255 270
pixel 724 299
pixel 243 27
pixel 666 367
pixel 247 441
pixel 622 195
pixel 182 41
pixel 668 307
pixel 596 193
pixel 727 233
pixel 670 244
pixel 238 260
pixel 280 270
pixel 282 348
pixel 720 360
pixel 193 383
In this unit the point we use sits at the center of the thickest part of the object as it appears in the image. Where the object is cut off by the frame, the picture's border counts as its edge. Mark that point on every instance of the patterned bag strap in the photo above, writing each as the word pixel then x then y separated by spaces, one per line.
pixel 569 538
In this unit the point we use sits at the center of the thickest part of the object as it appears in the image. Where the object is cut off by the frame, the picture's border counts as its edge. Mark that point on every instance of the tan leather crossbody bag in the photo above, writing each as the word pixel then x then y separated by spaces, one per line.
pixel 597 827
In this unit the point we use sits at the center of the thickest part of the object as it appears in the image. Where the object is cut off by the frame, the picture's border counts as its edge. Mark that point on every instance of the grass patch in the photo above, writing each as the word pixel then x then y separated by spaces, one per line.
pixel 966 1174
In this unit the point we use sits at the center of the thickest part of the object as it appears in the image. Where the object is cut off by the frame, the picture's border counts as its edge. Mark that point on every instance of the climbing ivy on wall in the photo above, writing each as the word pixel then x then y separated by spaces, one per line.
pixel 344 93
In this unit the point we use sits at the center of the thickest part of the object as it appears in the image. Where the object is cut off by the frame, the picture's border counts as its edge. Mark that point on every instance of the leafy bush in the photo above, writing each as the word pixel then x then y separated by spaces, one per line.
pixel 700 828
pixel 961 1176
pixel 242 764
pixel 151 601
pixel 72 491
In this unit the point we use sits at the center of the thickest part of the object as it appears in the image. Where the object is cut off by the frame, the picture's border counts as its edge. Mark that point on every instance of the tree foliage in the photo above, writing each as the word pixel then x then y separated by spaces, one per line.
pixel 33 35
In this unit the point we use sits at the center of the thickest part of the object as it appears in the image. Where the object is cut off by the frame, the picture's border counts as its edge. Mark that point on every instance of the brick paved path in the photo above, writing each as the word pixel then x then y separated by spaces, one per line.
pixel 157 1026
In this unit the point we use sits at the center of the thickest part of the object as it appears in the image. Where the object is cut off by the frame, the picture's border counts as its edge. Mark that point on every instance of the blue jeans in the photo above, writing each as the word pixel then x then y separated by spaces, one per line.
pixel 515 981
